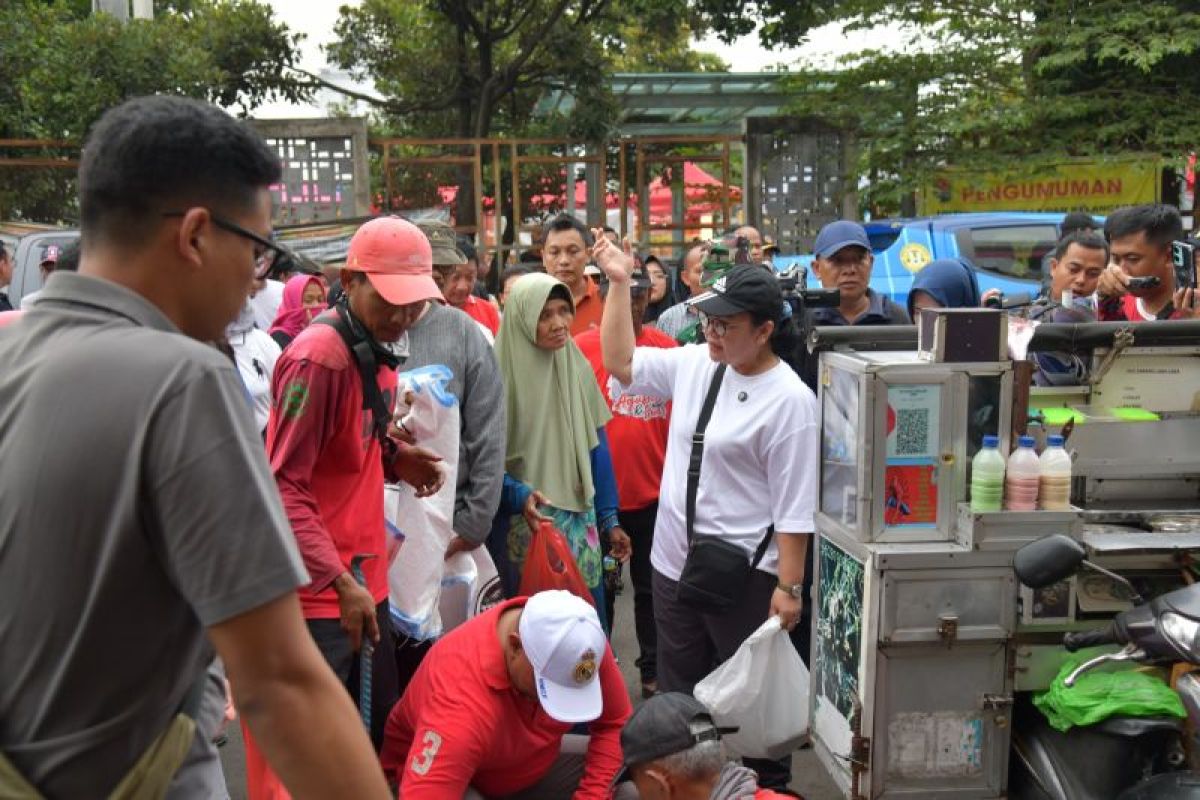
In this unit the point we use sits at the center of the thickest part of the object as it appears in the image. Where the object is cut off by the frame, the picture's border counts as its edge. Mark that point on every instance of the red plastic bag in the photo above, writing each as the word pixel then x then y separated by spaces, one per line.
pixel 549 564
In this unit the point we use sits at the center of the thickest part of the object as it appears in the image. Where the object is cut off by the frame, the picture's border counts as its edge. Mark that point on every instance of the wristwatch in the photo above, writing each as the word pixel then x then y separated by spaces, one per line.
pixel 795 590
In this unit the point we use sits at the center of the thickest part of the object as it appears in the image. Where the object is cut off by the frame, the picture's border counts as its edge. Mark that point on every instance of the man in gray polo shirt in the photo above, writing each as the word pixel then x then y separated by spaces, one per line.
pixel 139 521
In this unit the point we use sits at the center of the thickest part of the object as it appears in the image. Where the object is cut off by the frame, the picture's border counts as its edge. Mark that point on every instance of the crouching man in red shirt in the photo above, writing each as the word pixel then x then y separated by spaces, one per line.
pixel 488 710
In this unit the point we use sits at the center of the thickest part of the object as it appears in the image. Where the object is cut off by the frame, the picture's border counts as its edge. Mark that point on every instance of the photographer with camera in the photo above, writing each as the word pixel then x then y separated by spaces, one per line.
pixel 749 244
pixel 1139 284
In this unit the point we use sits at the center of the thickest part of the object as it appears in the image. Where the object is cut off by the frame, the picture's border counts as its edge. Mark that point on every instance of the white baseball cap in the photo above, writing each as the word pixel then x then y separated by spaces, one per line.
pixel 562 638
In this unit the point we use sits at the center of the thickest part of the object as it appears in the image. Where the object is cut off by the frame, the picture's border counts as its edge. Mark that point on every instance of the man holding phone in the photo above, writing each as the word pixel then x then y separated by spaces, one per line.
pixel 1139 284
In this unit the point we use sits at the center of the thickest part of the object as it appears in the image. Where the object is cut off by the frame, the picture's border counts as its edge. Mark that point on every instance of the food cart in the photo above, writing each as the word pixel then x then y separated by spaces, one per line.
pixel 922 637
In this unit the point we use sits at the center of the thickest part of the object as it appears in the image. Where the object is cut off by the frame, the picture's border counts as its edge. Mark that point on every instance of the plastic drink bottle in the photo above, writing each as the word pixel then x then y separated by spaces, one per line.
pixel 987 476
pixel 1022 477
pixel 1054 490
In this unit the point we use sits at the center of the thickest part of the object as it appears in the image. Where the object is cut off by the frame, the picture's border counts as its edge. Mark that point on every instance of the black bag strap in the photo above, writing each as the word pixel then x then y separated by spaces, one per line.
pixel 364 356
pixel 697 458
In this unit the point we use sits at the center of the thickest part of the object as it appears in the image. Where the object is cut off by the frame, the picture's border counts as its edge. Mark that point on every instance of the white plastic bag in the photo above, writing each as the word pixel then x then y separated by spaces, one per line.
pixel 470 586
pixel 425 524
pixel 763 691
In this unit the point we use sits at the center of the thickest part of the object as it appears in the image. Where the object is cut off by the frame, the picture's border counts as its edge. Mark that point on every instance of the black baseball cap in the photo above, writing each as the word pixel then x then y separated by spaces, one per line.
pixel 664 725
pixel 746 287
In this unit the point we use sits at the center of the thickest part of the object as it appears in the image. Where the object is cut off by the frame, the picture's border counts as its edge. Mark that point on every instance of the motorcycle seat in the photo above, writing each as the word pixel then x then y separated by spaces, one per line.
pixel 1137 726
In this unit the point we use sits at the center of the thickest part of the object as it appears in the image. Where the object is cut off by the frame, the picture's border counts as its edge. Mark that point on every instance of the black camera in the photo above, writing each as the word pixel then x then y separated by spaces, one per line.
pixel 794 285
pixel 741 251
pixel 1003 301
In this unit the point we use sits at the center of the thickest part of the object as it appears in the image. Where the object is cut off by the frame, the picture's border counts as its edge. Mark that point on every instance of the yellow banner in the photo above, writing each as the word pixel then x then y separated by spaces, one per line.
pixel 1096 186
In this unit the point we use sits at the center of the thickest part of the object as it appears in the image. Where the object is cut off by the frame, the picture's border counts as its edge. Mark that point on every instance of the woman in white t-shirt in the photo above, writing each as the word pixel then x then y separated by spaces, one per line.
pixel 759 466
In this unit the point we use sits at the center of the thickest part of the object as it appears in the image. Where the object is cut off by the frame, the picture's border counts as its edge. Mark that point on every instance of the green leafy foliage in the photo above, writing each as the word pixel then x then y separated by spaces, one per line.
pixel 1002 83
pixel 531 69
pixel 472 68
pixel 61 67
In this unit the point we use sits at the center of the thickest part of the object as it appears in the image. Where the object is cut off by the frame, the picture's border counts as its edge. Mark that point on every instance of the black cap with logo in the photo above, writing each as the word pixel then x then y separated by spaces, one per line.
pixel 746 287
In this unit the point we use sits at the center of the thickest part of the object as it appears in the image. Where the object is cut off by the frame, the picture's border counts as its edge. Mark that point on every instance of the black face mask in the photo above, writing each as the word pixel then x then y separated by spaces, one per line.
pixel 382 354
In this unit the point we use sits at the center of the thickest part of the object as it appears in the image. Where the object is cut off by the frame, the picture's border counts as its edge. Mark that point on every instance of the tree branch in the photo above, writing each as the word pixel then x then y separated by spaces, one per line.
pixel 400 109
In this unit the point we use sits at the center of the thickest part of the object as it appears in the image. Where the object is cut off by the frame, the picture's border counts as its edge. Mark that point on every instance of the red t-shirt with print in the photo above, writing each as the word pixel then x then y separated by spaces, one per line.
pixel 638 430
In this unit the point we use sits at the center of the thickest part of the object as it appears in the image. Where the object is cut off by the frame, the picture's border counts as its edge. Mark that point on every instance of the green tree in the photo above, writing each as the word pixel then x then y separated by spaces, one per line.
pixel 61 67
pixel 466 68
pixel 987 84
pixel 479 68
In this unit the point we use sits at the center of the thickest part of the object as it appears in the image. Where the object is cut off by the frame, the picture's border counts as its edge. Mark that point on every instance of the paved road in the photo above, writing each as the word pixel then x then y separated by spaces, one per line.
pixel 808 777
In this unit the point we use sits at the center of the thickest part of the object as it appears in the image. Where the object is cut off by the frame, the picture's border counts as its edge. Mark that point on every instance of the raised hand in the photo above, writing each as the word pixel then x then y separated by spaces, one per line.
pixel 617 263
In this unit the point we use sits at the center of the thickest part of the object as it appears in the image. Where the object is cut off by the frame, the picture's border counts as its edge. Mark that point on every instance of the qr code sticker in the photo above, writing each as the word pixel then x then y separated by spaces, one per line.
pixel 912 431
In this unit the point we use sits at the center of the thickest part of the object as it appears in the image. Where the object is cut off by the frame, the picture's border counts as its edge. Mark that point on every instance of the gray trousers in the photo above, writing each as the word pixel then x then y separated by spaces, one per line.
pixel 563 777
pixel 200 774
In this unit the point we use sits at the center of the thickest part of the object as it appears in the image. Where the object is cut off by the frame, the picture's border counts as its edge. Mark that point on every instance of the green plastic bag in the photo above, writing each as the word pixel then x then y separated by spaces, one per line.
pixel 1097 696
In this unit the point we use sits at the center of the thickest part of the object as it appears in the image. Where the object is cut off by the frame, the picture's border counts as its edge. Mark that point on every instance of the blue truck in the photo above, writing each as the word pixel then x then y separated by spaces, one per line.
pixel 1009 250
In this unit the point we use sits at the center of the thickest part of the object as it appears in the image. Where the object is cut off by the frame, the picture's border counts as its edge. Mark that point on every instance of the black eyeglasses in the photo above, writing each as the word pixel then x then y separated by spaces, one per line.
pixel 719 326
pixel 266 252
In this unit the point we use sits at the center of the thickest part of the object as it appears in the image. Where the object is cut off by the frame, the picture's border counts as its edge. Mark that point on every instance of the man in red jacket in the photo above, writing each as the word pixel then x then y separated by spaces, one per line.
pixel 637 439
pixel 331 459
pixel 489 710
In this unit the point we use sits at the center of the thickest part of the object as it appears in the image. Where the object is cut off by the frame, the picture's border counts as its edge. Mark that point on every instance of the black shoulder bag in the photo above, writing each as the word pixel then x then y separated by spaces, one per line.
pixel 716 572
pixel 366 358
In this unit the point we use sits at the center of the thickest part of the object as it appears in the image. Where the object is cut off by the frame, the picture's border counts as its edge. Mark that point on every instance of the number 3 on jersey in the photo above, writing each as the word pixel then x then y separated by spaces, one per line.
pixel 422 763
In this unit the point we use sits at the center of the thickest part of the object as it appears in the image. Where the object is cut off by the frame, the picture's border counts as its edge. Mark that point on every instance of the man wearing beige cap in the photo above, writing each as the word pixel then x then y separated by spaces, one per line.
pixel 456 272
pixel 329 450
pixel 489 711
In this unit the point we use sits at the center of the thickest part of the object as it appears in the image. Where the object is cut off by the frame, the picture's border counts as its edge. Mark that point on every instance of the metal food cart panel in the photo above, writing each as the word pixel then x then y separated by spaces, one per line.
pixel 941 726
pixel 1154 378
pixel 916 419
pixel 947 605
pixel 840 616
pixel 846 447
pixel 897 437
pixel 1009 530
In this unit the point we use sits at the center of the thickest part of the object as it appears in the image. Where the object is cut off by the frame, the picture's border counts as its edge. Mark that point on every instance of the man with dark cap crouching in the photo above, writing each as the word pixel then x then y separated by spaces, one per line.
pixel 673 751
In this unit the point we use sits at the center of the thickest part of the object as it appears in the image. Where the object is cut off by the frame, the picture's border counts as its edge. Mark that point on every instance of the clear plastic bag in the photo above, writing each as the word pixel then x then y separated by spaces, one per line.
pixel 424 524
pixel 763 692
pixel 470 586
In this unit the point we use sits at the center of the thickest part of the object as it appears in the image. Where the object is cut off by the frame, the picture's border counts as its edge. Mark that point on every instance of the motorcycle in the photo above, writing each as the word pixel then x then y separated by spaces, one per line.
pixel 1127 758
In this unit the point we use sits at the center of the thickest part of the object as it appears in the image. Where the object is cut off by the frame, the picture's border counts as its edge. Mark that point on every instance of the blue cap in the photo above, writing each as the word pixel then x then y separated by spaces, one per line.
pixel 836 235
pixel 1055 441
pixel 1026 441
pixel 991 441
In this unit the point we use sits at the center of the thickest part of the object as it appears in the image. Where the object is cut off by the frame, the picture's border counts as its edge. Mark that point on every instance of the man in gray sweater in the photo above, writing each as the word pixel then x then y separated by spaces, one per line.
pixel 447 336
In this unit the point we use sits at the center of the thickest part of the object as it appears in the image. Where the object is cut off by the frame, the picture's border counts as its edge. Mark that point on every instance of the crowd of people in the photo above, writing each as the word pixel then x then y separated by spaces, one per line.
pixel 228 439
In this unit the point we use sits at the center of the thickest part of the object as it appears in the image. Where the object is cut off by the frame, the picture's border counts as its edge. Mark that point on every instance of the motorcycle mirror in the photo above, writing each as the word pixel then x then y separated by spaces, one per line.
pixel 1048 560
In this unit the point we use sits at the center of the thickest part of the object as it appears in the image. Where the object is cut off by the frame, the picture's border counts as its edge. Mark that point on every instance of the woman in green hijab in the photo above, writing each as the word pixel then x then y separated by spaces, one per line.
pixel 557 452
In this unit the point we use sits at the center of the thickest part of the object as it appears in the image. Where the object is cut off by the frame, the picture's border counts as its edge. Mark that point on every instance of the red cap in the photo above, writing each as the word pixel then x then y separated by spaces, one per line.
pixel 397 258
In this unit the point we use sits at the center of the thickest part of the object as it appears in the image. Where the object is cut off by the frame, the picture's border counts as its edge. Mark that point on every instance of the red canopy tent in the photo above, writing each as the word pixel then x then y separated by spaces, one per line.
pixel 702 195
